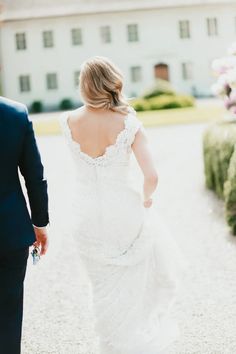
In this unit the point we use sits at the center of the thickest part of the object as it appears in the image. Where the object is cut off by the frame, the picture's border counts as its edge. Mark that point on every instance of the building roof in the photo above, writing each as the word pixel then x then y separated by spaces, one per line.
pixel 30 9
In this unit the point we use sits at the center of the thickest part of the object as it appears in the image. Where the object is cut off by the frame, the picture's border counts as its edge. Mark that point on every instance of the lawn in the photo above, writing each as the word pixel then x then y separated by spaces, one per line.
pixel 47 124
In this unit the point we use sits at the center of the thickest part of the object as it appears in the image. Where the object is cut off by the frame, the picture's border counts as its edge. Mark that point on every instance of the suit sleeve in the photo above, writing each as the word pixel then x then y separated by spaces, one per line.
pixel 33 172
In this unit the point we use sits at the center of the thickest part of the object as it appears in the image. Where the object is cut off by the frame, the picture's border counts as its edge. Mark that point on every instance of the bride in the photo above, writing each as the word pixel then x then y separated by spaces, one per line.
pixel 133 264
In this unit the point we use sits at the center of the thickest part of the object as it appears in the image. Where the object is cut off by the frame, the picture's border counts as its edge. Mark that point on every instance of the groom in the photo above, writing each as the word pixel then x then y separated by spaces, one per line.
pixel 18 230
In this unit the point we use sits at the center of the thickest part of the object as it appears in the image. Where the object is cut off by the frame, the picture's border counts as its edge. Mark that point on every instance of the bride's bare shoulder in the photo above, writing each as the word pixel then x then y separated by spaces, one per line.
pixel 77 114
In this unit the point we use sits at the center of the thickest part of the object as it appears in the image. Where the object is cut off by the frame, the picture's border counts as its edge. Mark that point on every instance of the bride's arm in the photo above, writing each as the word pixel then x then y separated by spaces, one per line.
pixel 144 158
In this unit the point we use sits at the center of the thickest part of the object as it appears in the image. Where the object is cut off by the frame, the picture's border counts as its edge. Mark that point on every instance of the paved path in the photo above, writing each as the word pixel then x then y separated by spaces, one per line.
pixel 57 306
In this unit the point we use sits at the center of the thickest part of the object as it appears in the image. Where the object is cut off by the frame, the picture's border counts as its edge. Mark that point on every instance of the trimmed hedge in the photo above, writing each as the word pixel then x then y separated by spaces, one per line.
pixel 162 102
pixel 36 107
pixel 219 148
pixel 66 104
pixel 161 96
pixel 160 87
pixel 230 194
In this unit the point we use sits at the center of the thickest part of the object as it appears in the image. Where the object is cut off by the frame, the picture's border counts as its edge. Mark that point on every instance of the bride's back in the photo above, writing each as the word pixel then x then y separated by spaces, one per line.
pixel 95 129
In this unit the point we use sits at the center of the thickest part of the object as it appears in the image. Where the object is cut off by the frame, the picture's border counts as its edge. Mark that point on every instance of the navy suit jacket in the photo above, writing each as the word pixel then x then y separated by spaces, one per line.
pixel 18 151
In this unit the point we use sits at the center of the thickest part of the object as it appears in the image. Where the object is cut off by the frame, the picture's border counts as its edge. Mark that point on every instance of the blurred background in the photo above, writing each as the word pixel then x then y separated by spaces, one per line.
pixel 44 42
pixel 178 59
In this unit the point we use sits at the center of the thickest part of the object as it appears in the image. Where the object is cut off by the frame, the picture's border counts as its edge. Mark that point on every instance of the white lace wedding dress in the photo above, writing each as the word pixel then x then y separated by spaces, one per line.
pixel 134 265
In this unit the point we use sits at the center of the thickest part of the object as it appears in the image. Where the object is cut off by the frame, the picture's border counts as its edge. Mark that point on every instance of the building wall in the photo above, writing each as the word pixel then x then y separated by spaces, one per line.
pixel 159 41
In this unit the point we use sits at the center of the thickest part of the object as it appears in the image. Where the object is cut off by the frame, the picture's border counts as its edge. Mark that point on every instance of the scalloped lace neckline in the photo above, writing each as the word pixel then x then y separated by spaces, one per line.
pixel 108 148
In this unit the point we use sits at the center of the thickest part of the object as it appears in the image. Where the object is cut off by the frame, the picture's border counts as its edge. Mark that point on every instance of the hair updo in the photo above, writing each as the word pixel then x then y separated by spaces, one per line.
pixel 100 85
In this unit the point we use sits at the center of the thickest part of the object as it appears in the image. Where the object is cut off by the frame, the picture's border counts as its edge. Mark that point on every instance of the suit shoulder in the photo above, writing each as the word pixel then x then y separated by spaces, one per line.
pixel 13 110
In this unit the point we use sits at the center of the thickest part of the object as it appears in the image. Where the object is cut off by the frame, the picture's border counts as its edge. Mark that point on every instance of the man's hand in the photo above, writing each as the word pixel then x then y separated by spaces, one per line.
pixel 41 239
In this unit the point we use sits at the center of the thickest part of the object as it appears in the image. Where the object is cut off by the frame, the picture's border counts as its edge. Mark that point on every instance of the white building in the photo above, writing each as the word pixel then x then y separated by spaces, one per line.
pixel 43 43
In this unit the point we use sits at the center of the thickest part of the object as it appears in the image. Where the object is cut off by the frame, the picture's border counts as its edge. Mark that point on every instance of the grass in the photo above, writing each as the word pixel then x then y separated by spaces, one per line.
pixel 47 124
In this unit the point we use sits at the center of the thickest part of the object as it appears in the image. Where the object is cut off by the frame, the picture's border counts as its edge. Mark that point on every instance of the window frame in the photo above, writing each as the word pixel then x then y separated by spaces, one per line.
pixel 133 32
pixel 187 70
pixel 76 78
pixel 24 83
pixel 19 41
pixel 49 85
pixel 48 42
pixel 105 34
pixel 74 36
pixel 212 26
pixel 136 74
pixel 184 29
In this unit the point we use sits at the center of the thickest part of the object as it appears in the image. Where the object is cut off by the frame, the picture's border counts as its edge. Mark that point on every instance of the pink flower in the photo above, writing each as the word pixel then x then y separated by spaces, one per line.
pixel 227 103
pixel 232 49
pixel 233 109
pixel 232 96
pixel 223 65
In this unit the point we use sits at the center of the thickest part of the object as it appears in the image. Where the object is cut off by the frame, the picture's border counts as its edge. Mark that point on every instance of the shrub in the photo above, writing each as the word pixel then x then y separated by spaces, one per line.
pixel 186 100
pixel 66 104
pixel 36 107
pixel 172 104
pixel 230 194
pixel 218 147
pixel 161 96
pixel 140 104
pixel 168 102
pixel 219 142
pixel 161 87
pixel 162 102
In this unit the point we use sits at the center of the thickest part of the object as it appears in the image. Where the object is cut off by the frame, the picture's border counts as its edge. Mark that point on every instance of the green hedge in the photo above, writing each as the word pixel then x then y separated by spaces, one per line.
pixel 162 102
pixel 160 87
pixel 36 107
pixel 219 148
pixel 66 104
pixel 230 194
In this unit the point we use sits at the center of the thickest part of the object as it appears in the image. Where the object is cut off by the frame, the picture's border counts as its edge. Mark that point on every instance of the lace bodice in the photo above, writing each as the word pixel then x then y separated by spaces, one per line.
pixel 116 156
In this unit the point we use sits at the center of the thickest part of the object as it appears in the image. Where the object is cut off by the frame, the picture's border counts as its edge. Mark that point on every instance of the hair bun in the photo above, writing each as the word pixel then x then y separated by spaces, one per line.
pixel 101 84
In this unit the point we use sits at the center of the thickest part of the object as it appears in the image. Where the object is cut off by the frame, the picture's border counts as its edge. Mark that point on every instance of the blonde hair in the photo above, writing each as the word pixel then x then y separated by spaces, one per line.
pixel 101 83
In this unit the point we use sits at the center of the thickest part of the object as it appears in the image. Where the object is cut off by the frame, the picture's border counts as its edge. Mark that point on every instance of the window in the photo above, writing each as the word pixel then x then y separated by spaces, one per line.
pixel 24 82
pixel 133 33
pixel 136 73
pixel 48 39
pixel 105 32
pixel 52 81
pixel 76 35
pixel 184 29
pixel 76 78
pixel 20 41
pixel 212 26
pixel 187 71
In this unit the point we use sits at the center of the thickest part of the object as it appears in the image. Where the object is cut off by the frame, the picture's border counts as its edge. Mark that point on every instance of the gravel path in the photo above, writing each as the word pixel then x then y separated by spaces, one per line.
pixel 57 306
